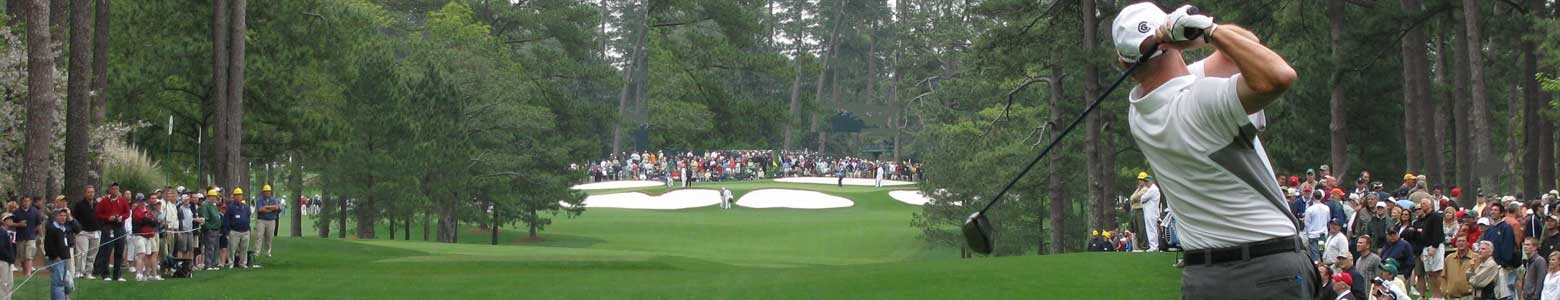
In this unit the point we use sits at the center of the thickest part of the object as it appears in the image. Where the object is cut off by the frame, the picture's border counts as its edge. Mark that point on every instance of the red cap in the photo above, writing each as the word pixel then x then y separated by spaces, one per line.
pixel 1461 215
pixel 1337 192
pixel 1344 277
pixel 1456 192
pixel 1294 180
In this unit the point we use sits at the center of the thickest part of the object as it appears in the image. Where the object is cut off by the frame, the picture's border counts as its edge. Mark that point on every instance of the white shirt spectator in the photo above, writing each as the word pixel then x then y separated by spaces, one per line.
pixel 1551 286
pixel 1337 244
pixel 1316 216
pixel 1151 216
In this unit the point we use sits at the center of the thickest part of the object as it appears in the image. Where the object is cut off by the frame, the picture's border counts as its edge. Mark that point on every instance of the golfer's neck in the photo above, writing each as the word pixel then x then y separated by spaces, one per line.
pixel 1156 74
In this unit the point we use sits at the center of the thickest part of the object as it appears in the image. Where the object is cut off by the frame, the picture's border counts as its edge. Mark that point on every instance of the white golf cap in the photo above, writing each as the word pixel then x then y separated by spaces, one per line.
pixel 1484 221
pixel 1134 24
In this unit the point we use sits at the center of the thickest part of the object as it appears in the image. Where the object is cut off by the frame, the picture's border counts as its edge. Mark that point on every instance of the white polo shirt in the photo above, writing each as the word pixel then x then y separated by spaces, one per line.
pixel 1210 166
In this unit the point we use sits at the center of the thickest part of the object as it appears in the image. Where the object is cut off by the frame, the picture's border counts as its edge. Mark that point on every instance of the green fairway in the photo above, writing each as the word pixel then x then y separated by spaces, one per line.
pixel 865 251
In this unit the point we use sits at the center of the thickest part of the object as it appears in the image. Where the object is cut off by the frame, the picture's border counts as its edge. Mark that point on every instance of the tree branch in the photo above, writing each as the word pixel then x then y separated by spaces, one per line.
pixel 1010 94
pixel 680 23
pixel 1362 3
pixel 527 40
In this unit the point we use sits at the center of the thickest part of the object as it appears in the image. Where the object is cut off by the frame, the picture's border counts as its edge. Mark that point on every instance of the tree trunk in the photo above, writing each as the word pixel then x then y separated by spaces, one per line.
pixel 99 92
pixel 15 9
pixel 365 213
pixel 1091 90
pixel 1546 128
pixel 295 184
pixel 341 219
pixel 1414 154
pixel 1533 124
pixel 426 221
pixel 834 102
pixel 793 119
pixel 895 112
pixel 627 92
pixel 219 94
pixel 1513 156
pixel 447 226
pixel 59 14
pixel 869 88
pixel 234 131
pixel 1479 110
pixel 641 97
pixel 323 219
pixel 78 115
pixel 1336 126
pixel 823 72
pixel 1058 205
pixel 1415 61
pixel 1441 128
pixel 40 101
pixel 494 234
pixel 532 225
pixel 1463 148
pixel 406 233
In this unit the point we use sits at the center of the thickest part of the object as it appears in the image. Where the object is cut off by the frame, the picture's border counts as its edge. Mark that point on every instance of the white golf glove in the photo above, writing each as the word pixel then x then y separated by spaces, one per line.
pixel 1182 24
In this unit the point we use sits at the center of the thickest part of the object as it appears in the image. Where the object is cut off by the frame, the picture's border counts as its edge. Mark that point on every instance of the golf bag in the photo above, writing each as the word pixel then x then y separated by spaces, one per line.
pixel 181 268
pixel 1168 239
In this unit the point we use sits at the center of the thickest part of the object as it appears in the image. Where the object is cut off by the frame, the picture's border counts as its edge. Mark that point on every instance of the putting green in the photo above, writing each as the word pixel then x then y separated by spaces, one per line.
pixel 865 251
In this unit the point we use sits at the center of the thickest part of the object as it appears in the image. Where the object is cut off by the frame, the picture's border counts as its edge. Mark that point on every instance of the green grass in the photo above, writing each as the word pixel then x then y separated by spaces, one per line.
pixel 865 251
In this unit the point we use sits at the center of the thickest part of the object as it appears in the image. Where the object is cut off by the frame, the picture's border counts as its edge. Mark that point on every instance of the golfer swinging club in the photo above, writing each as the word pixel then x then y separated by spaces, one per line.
pixel 1193 127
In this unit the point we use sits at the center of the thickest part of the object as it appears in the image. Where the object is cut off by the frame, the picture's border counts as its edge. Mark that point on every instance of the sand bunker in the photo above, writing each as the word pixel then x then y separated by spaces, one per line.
pixel 848 181
pixel 679 199
pixel 778 198
pixel 619 185
pixel 909 197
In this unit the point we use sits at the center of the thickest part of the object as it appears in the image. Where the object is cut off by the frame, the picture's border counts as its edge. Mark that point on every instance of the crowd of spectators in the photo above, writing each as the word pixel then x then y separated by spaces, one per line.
pixel 740 165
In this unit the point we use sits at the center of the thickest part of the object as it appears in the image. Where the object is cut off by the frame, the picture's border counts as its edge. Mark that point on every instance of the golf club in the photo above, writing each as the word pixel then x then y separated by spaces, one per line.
pixel 977 228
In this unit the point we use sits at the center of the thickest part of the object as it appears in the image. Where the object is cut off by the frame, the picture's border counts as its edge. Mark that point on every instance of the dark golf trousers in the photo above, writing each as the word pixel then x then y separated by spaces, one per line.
pixel 113 247
pixel 1279 276
pixel 1137 229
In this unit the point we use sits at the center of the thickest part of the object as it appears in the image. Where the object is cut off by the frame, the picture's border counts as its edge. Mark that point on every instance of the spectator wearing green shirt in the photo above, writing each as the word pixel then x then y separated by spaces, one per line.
pixel 212 224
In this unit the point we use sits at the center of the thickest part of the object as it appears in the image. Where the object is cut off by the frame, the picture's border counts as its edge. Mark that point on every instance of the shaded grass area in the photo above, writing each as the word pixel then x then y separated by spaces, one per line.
pixel 311 268
pixel 868 251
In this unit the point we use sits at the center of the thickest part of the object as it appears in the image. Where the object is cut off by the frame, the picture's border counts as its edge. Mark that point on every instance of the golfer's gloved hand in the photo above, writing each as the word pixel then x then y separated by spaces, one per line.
pixel 1183 24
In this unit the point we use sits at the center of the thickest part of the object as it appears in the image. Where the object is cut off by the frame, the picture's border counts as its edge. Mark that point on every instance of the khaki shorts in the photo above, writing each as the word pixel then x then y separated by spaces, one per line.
pixel 143 245
pixel 28 249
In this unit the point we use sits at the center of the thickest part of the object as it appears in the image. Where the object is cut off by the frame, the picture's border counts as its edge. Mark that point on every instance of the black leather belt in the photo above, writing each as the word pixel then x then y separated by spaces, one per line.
pixel 1241 252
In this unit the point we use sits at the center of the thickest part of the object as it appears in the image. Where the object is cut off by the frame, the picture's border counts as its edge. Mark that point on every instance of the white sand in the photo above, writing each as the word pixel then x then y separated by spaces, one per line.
pixel 679 199
pixel 605 185
pixel 779 198
pixel 909 197
pixel 835 180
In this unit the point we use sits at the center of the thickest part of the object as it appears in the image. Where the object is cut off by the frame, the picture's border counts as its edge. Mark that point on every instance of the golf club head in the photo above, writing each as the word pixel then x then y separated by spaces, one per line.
pixel 977 233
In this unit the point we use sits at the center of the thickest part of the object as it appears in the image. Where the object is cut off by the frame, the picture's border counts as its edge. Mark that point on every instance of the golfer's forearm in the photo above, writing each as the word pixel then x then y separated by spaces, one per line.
pixel 1263 70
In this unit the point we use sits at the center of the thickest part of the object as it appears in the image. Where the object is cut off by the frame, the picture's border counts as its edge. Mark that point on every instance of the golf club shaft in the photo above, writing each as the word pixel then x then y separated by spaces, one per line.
pixel 1067 130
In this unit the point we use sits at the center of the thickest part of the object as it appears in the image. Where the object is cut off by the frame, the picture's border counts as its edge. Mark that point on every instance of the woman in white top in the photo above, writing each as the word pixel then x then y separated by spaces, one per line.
pixel 1450 224
pixel 1552 280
